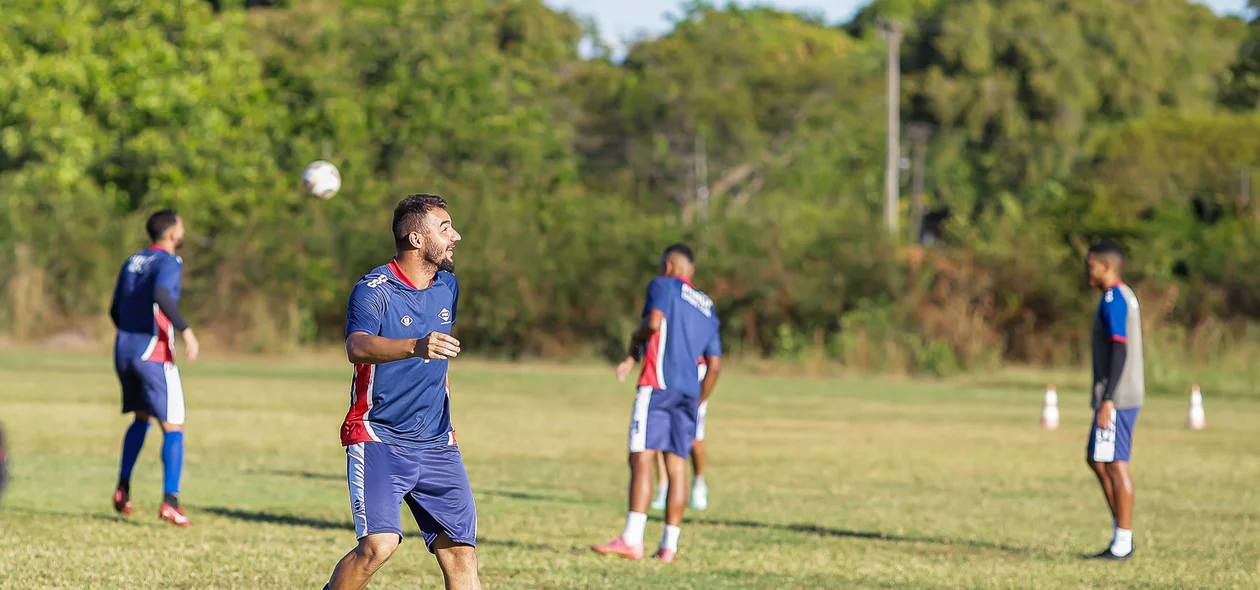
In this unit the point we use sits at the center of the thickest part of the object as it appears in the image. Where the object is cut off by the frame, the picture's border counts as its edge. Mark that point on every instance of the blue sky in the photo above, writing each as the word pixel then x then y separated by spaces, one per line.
pixel 621 20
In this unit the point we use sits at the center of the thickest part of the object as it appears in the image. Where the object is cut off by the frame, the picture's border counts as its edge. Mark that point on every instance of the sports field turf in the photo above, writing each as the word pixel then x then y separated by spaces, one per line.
pixel 813 484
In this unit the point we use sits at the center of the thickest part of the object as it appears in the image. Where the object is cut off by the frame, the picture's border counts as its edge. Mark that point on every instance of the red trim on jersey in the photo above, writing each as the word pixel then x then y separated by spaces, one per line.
pixel 352 430
pixel 688 282
pixel 649 378
pixel 398 272
pixel 1119 339
pixel 164 346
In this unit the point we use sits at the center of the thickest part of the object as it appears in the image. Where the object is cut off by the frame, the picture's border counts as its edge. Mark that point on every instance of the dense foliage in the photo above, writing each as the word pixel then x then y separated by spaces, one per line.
pixel 757 135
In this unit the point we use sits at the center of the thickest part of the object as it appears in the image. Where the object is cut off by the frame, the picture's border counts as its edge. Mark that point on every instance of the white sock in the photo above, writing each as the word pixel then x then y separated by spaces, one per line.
pixel 635 521
pixel 1114 527
pixel 698 483
pixel 669 540
pixel 1123 543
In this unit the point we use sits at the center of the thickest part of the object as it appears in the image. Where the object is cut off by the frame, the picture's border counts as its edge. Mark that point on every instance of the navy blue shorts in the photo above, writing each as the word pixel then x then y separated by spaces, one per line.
pixel 663 421
pixel 151 387
pixel 432 482
pixel 1125 421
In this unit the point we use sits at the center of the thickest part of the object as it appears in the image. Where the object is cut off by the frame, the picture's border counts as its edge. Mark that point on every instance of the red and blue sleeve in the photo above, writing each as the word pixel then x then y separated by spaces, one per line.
pixel 658 294
pixel 363 313
pixel 1115 315
pixel 714 347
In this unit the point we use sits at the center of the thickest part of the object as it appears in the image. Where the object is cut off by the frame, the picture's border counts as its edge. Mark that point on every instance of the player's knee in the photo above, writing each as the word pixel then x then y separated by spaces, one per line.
pixel 376 549
pixel 461 559
pixel 643 460
pixel 1118 471
pixel 168 427
pixel 142 417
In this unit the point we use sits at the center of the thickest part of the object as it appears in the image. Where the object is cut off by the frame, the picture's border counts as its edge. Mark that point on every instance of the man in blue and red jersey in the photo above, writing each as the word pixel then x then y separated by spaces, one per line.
pixel 400 444
pixel 679 325
pixel 145 312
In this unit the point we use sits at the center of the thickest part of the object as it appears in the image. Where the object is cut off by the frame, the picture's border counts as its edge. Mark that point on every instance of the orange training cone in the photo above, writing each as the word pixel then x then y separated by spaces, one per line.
pixel 1195 419
pixel 1050 412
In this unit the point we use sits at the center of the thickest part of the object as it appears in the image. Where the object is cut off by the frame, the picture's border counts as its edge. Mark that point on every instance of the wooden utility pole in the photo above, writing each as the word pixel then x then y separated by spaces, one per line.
pixel 891 33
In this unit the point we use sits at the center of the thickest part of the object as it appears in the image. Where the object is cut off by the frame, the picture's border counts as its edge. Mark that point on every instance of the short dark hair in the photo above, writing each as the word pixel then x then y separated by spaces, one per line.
pixel 680 248
pixel 1111 250
pixel 410 212
pixel 160 222
pixel 1109 247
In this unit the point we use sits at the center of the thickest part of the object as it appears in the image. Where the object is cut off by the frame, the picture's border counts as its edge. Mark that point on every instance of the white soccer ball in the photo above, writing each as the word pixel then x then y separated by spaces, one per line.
pixel 321 179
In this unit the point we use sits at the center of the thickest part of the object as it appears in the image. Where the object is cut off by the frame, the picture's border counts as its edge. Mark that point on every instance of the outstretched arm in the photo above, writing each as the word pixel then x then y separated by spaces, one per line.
pixel 650 325
pixel 366 349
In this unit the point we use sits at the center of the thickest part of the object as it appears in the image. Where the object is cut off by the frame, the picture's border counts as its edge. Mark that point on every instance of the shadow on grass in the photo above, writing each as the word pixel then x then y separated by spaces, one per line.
pixel 258 516
pixel 76 515
pixel 525 496
pixel 270 518
pixel 813 529
pixel 341 477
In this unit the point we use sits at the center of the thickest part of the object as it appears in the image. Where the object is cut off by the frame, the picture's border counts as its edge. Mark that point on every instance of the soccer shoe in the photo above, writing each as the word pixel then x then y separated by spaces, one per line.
pixel 620 548
pixel 699 498
pixel 122 502
pixel 174 516
pixel 658 503
pixel 665 555
pixel 1107 555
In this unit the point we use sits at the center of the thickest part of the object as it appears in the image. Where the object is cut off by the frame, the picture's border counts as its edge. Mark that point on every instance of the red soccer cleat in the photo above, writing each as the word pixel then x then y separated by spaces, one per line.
pixel 174 516
pixel 665 555
pixel 122 502
pixel 620 548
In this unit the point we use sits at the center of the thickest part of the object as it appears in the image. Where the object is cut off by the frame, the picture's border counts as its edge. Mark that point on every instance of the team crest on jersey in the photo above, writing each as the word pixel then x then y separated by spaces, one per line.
pixel 406 320
pixel 445 315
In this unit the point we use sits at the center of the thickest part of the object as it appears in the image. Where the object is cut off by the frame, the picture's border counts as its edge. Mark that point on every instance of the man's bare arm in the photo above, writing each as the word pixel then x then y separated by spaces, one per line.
pixel 650 325
pixel 366 349
pixel 710 377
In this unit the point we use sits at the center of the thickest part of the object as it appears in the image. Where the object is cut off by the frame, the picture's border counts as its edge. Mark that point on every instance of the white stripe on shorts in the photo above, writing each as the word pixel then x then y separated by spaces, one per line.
pixel 638 420
pixel 358 500
pixel 704 409
pixel 174 394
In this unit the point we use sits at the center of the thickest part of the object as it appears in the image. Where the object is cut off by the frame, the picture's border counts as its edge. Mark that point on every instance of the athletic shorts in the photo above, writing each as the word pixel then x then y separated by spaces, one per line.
pixel 151 387
pixel 1125 421
pixel 700 412
pixel 432 482
pixel 662 421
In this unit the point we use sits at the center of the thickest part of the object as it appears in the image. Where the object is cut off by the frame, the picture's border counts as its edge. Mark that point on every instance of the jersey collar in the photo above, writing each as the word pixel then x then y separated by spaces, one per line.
pixel 397 270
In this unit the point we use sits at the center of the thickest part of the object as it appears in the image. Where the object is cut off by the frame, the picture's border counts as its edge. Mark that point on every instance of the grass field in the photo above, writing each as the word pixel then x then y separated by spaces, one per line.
pixel 813 484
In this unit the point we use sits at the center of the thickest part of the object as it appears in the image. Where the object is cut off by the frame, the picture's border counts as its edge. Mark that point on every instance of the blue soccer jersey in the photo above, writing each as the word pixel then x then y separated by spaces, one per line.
pixel 688 331
pixel 404 403
pixel 144 332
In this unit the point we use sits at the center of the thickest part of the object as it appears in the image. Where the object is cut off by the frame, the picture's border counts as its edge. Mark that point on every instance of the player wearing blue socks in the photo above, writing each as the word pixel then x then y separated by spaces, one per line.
pixel 145 312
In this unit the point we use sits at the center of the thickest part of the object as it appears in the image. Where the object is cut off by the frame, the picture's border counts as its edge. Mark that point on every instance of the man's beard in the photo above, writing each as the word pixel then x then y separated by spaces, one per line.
pixel 436 255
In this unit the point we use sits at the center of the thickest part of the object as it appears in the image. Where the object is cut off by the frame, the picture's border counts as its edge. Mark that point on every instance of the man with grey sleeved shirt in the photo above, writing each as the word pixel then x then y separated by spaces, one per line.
pixel 1118 392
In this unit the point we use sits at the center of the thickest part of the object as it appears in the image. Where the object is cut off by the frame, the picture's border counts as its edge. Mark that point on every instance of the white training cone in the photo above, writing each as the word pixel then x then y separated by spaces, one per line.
pixel 1195 419
pixel 1050 412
